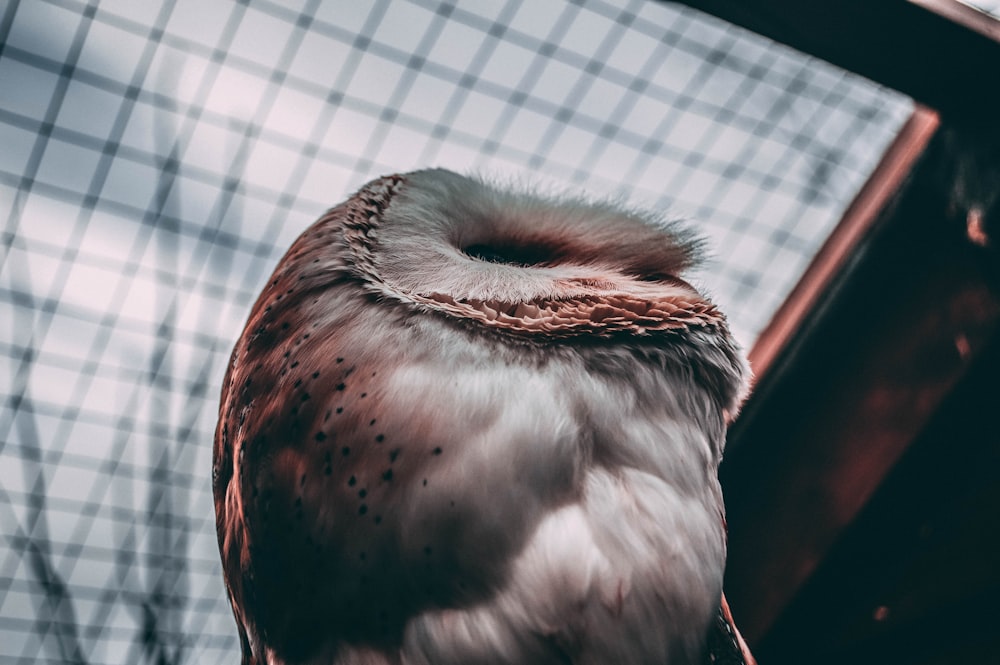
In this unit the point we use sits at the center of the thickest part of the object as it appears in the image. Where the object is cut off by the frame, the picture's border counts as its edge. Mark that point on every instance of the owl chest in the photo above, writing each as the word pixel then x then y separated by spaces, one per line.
pixel 390 482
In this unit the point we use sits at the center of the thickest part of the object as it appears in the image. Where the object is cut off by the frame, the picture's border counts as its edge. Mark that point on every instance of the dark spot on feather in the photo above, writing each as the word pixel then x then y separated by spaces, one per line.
pixel 387 475
pixel 427 550
pixel 321 436
pixel 352 481
pixel 372 422
pixel 345 451
pixel 295 364
pixel 363 493
pixel 380 438
pixel 315 374
pixel 425 482
pixel 340 360
pixel 393 455
pixel 305 397
pixel 340 386
pixel 362 509
pixel 378 519
pixel 437 451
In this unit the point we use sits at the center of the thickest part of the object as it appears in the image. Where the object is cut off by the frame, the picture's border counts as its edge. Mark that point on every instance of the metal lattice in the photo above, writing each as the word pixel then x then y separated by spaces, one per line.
pixel 156 158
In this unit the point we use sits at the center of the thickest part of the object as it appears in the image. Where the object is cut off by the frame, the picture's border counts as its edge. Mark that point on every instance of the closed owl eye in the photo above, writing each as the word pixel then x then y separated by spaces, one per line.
pixel 514 255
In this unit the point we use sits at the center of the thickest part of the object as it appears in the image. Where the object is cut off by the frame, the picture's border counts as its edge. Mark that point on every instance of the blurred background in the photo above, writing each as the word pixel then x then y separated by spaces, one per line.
pixel 157 158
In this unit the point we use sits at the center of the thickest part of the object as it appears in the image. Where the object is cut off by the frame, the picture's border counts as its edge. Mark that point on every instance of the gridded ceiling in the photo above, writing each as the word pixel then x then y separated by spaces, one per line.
pixel 158 158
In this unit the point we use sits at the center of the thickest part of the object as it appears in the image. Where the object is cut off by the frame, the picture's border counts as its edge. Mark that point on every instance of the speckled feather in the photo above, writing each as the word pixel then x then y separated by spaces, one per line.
pixel 428 452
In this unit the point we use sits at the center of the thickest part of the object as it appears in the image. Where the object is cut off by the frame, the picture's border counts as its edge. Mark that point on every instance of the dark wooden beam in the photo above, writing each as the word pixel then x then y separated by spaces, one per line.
pixel 939 62
pixel 858 378
pixel 914 578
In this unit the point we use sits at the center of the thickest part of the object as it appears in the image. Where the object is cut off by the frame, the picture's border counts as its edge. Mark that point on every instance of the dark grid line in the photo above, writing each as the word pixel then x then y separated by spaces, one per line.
pixel 450 74
pixel 772 183
pixel 529 102
pixel 413 67
pixel 42 325
pixel 48 122
pixel 96 351
pixel 119 127
pixel 101 554
pixel 203 365
pixel 619 76
pixel 319 130
pixel 195 213
pixel 569 105
pixel 519 96
pixel 442 128
pixel 6 21
pixel 156 640
pixel 53 598
pixel 655 146
pixel 189 481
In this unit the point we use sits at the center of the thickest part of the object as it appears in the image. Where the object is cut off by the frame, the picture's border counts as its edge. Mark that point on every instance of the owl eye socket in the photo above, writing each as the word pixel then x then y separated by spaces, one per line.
pixel 513 255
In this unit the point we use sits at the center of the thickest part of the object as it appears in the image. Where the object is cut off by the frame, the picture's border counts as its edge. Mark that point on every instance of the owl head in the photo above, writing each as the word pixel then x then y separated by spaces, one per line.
pixel 540 267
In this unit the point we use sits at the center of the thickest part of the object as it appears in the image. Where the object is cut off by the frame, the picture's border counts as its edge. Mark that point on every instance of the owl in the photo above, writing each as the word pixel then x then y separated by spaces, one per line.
pixel 465 425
